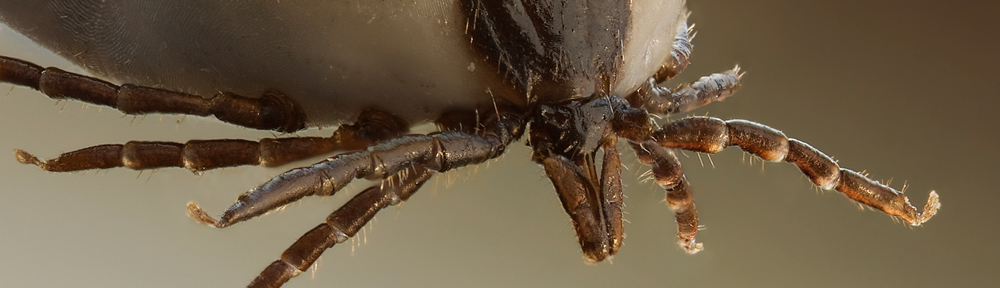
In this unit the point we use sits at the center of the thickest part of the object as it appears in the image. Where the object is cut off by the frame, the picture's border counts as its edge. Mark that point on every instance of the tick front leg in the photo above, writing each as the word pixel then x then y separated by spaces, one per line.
pixel 272 111
pixel 711 135
pixel 199 155
pixel 656 98
pixel 659 100
pixel 680 52
pixel 341 225
pixel 667 173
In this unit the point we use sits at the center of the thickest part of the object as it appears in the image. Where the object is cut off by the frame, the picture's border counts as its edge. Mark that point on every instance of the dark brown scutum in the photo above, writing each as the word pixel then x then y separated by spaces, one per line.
pixel 549 48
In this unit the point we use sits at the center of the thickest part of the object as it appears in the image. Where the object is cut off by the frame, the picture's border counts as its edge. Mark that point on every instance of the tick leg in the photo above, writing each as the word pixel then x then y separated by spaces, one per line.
pixel 582 202
pixel 680 53
pixel 272 111
pixel 439 152
pixel 711 135
pixel 668 173
pixel 654 97
pixel 659 100
pixel 198 155
pixel 341 225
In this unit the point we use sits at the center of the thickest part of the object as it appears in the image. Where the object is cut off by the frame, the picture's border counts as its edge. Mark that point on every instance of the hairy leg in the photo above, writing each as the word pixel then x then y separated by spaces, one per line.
pixel 656 98
pixel 660 100
pixel 272 111
pixel 372 126
pixel 667 172
pixel 438 151
pixel 680 53
pixel 711 135
pixel 341 225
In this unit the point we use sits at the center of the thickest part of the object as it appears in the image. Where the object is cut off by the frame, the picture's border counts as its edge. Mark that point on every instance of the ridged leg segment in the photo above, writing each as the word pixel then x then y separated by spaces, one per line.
pixel 341 225
pixel 667 173
pixel 438 152
pixel 660 100
pixel 711 135
pixel 199 155
pixel 272 111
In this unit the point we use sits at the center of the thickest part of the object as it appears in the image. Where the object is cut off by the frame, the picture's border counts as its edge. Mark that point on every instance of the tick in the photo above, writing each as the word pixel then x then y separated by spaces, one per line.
pixel 576 77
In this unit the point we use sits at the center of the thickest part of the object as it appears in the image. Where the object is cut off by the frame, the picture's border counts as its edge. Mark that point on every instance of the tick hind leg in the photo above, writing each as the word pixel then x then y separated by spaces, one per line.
pixel 372 126
pixel 272 111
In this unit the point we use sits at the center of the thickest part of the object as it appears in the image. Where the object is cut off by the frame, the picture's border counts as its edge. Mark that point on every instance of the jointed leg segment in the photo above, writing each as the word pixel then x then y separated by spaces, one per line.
pixel 404 163
pixel 438 152
pixel 668 174
pixel 272 111
pixel 659 100
pixel 711 135
pixel 341 225
pixel 680 52
pixel 373 126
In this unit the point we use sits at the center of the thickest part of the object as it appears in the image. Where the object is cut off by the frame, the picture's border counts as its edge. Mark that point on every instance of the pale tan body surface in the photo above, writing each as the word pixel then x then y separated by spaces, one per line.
pixel 332 57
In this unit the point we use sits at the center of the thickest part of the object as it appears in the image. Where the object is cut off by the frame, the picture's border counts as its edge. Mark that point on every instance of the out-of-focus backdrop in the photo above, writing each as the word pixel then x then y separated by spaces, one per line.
pixel 904 90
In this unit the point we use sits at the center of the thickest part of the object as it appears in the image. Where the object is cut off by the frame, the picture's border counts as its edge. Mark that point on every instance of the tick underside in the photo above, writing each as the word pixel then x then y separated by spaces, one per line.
pixel 377 147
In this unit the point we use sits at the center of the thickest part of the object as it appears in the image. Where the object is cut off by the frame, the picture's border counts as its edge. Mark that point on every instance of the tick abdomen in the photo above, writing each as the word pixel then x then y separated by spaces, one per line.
pixel 333 58
pixel 412 59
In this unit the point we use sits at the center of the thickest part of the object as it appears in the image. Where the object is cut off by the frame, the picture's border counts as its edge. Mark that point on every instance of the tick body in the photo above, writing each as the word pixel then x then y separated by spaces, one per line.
pixel 581 77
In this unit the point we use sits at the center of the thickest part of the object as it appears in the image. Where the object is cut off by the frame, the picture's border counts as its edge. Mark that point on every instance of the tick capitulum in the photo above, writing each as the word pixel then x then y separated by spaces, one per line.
pixel 576 76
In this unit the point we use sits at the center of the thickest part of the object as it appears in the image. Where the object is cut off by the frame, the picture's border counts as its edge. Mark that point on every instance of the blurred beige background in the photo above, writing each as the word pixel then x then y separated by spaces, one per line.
pixel 902 89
